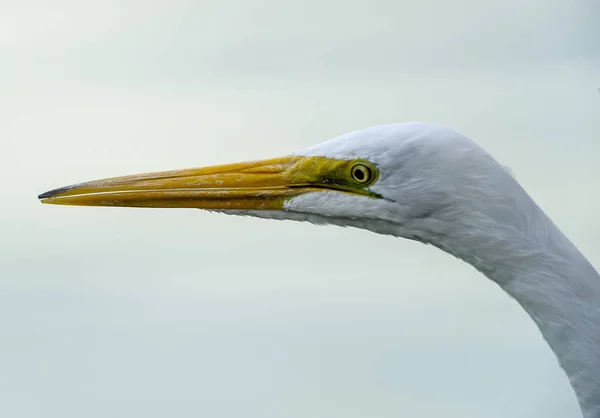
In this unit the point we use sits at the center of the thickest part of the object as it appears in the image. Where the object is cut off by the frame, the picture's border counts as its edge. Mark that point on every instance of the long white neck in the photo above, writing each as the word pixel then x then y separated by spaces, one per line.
pixel 514 244
pixel 544 272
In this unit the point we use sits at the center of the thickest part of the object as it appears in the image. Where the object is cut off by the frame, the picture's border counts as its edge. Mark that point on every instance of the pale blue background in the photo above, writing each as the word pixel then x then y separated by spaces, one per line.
pixel 158 313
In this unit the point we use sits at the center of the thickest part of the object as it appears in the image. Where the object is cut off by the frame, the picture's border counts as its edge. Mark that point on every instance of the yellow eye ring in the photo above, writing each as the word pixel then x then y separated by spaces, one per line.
pixel 362 173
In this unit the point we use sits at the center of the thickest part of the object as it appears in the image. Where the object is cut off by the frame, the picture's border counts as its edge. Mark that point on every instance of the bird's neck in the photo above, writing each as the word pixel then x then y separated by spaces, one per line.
pixel 560 290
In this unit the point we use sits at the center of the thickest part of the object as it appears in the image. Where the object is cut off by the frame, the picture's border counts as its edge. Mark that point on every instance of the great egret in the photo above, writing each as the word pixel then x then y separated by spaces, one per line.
pixel 413 180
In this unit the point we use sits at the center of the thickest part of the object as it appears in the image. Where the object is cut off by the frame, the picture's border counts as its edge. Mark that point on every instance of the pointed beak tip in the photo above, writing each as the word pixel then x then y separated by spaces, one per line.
pixel 54 192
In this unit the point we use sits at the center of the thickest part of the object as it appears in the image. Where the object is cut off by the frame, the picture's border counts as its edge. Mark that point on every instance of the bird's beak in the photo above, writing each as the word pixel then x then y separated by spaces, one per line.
pixel 266 184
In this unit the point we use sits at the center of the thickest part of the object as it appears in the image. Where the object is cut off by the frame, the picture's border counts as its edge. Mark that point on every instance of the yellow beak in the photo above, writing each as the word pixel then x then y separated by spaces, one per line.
pixel 255 185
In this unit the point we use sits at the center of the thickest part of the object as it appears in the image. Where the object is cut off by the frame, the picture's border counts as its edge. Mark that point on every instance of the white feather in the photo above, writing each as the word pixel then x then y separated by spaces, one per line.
pixel 441 188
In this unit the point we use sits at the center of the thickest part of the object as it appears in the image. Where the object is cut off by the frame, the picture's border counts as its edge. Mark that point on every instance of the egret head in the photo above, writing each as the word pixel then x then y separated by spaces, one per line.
pixel 413 180
pixel 416 181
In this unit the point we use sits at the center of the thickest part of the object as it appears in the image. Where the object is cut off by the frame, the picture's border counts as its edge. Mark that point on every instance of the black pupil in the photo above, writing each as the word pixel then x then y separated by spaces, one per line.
pixel 360 174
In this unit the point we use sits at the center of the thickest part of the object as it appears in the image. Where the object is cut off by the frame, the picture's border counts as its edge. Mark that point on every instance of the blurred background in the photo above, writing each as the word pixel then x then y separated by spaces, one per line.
pixel 129 312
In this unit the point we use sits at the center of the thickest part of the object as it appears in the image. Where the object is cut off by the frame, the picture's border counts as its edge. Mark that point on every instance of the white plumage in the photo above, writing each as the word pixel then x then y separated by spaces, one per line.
pixel 441 188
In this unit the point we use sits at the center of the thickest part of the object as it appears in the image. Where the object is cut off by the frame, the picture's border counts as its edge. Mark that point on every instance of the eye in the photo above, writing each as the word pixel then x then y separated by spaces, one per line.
pixel 361 173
